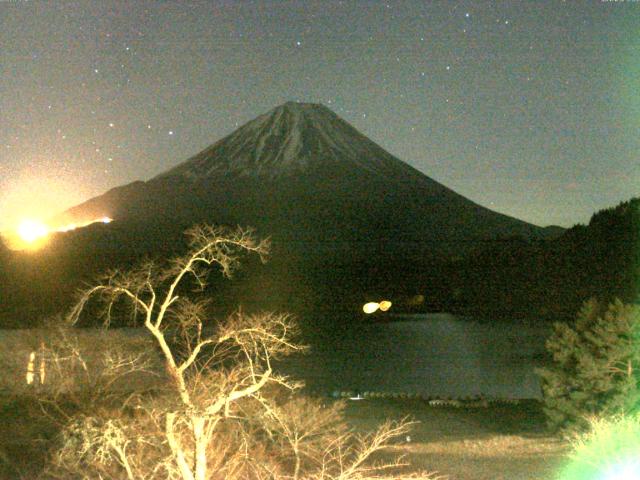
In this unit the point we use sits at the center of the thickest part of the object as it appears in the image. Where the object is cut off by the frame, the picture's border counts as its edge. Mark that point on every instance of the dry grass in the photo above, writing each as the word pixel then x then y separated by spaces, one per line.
pixel 499 442
pixel 24 438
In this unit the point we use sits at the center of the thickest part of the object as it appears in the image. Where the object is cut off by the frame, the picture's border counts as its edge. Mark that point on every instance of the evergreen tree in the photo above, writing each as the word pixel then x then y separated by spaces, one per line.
pixel 596 366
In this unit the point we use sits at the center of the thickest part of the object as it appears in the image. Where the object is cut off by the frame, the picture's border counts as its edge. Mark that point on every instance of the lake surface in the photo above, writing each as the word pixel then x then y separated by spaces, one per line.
pixel 437 355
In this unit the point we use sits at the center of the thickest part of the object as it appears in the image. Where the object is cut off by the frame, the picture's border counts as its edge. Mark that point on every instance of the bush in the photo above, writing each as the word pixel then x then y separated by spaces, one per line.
pixel 610 451
pixel 596 366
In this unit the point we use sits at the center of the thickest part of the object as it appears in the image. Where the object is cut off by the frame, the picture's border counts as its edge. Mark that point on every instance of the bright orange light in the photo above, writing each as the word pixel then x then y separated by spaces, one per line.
pixel 385 305
pixel 30 231
pixel 31 234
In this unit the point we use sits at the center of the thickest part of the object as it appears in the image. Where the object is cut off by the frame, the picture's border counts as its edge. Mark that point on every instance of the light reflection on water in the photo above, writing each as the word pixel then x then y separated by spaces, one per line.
pixel 437 355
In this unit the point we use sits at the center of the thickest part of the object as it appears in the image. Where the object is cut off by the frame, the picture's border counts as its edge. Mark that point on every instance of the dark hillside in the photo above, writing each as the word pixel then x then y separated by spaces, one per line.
pixel 551 278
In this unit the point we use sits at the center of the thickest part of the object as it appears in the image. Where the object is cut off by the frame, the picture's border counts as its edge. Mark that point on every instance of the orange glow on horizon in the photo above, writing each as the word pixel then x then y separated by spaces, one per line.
pixel 30 231
pixel 32 234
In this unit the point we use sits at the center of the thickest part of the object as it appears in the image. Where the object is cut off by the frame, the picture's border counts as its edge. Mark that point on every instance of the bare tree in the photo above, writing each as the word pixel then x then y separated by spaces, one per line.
pixel 224 412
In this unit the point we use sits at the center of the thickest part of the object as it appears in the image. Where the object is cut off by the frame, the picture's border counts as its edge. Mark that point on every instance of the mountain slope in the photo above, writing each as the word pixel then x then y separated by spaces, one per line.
pixel 301 173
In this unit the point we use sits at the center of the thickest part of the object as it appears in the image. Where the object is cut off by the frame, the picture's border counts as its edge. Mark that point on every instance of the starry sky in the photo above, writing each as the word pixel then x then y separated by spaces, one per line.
pixel 528 108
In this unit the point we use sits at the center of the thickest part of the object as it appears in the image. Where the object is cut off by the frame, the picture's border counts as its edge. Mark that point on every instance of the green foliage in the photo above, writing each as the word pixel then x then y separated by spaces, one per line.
pixel 596 366
pixel 611 450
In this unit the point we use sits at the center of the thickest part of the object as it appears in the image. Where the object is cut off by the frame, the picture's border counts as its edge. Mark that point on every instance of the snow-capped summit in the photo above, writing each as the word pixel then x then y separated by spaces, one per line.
pixel 290 139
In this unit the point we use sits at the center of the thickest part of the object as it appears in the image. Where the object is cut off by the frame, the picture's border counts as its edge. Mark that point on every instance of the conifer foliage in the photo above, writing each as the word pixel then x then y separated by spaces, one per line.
pixel 596 366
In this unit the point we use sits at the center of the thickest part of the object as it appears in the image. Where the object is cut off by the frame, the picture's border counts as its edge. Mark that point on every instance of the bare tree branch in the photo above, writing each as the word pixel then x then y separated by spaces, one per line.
pixel 220 416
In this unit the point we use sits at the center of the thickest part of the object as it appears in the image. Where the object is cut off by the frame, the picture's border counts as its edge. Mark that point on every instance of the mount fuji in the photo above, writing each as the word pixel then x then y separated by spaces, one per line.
pixel 307 178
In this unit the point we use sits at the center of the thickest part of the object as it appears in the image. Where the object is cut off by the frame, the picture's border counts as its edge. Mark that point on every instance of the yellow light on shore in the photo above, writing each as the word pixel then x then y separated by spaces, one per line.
pixel 370 307
pixel 385 305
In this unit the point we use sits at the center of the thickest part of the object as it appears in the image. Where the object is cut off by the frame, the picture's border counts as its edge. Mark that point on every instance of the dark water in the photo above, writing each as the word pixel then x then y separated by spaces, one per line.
pixel 436 355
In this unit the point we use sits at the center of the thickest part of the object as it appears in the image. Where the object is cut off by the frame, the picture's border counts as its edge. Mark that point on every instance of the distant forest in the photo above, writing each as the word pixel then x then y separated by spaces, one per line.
pixel 512 278
pixel 549 279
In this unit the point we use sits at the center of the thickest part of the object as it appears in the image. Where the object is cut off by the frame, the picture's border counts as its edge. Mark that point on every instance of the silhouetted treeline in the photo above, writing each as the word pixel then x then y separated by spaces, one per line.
pixel 510 278
pixel 551 278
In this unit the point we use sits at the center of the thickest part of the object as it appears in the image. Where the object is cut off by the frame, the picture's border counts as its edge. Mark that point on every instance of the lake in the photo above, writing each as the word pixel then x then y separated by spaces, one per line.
pixel 434 355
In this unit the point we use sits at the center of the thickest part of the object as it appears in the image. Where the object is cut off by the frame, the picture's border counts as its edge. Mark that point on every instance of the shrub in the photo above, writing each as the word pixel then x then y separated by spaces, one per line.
pixel 596 366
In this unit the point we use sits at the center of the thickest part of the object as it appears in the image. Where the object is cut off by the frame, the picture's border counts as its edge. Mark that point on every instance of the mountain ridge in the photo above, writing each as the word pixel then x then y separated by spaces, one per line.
pixel 300 171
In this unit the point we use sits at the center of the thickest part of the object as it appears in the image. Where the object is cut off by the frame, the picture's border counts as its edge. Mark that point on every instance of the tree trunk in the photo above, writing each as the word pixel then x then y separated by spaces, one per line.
pixel 201 448
pixel 176 448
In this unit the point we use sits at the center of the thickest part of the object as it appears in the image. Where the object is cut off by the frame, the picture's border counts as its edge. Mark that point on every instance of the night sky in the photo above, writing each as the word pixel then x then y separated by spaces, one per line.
pixel 530 108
